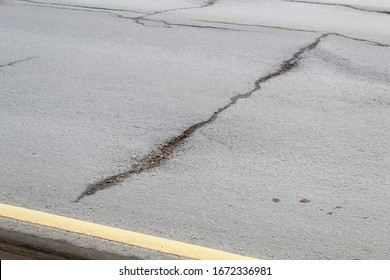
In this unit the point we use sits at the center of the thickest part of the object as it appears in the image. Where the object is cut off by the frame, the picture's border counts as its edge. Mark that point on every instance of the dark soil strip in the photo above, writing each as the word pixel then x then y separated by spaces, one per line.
pixel 161 154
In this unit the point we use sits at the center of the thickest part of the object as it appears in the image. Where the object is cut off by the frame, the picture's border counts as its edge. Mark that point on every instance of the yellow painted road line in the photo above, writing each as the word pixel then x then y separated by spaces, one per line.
pixel 144 241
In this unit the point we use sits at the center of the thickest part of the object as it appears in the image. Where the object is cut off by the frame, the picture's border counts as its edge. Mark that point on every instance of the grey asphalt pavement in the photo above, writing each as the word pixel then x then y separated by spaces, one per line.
pixel 227 125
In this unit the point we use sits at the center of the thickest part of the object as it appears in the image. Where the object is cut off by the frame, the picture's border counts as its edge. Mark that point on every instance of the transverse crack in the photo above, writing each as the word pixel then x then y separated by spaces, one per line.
pixel 161 154
pixel 375 43
pixel 65 6
pixel 340 5
pixel 141 19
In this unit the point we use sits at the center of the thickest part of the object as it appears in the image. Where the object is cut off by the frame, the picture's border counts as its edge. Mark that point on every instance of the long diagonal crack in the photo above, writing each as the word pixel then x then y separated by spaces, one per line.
pixel 158 156
pixel 17 61
pixel 161 154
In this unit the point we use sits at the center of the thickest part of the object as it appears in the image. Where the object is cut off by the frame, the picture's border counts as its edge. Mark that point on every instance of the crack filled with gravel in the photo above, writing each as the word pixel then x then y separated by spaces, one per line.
pixel 164 151
pixel 16 62
pixel 339 5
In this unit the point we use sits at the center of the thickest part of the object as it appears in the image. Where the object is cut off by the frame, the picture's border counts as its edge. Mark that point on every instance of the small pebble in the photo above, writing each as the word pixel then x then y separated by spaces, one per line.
pixel 304 200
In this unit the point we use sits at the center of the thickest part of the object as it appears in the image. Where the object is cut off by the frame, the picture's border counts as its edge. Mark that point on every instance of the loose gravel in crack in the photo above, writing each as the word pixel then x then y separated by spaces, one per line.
pixel 161 154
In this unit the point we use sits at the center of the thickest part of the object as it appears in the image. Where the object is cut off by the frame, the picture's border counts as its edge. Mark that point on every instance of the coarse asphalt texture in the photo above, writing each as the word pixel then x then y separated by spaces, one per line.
pixel 225 124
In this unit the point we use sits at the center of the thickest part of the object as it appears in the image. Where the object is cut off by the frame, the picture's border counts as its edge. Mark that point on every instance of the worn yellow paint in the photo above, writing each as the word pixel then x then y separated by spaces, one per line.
pixel 144 241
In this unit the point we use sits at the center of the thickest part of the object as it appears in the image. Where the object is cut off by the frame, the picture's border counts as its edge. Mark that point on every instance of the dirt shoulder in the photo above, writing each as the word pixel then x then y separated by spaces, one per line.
pixel 18 246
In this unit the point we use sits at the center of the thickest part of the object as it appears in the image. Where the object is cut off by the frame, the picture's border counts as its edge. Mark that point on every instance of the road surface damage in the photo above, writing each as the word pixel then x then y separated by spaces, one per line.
pixel 162 153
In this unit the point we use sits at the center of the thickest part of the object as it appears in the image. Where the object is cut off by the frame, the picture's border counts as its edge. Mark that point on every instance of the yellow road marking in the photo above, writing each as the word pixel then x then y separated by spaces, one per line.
pixel 144 241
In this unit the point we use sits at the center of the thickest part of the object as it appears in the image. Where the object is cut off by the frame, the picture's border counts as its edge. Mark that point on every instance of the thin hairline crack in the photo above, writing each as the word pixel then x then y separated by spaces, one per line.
pixel 113 11
pixel 375 43
pixel 80 7
pixel 16 61
pixel 144 18
pixel 139 19
pixel 164 151
pixel 339 5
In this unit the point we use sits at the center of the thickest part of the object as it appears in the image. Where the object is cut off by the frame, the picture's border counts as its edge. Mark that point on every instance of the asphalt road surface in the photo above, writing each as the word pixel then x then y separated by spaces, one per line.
pixel 259 128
